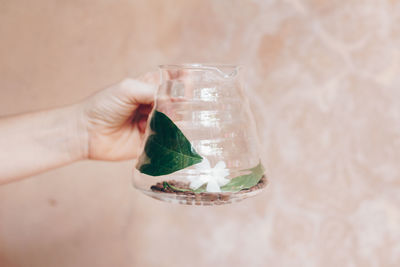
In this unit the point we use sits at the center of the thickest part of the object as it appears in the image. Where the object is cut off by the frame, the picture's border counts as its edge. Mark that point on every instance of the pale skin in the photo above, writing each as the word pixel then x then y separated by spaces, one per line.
pixel 109 126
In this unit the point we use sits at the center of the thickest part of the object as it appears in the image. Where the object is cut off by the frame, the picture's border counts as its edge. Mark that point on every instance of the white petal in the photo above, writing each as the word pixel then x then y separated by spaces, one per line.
pixel 196 184
pixel 220 165
pixel 222 181
pixel 199 181
pixel 213 187
pixel 221 173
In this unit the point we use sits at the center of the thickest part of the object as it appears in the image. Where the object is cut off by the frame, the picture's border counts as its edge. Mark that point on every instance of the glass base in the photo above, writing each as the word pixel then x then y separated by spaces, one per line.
pixel 206 199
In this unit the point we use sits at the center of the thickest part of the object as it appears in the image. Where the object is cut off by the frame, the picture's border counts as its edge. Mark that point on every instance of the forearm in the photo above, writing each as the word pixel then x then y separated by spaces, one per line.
pixel 35 142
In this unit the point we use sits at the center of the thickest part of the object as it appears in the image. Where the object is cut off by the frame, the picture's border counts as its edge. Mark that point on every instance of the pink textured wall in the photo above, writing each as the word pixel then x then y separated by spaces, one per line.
pixel 324 81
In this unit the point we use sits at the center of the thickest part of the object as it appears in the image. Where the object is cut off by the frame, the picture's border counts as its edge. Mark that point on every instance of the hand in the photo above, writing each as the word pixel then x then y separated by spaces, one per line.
pixel 107 126
pixel 115 118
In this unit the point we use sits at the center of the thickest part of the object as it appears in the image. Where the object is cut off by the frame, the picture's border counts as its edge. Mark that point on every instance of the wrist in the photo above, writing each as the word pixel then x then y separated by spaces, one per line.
pixel 78 133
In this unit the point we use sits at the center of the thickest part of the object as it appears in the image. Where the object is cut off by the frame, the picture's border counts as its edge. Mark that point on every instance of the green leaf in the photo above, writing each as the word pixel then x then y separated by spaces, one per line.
pixel 199 190
pixel 245 181
pixel 167 150
pixel 236 184
pixel 166 185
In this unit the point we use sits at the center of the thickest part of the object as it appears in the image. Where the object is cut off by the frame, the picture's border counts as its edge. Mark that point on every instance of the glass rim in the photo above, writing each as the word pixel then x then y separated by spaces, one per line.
pixel 200 66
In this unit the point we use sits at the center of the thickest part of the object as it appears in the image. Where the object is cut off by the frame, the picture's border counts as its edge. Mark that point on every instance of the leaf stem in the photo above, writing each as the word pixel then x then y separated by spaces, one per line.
pixel 166 185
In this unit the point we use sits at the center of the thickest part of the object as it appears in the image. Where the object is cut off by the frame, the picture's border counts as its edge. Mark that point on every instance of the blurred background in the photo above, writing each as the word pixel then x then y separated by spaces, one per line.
pixel 323 79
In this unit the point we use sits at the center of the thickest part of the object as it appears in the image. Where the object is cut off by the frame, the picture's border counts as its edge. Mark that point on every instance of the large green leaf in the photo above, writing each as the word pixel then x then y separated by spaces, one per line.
pixel 245 181
pixel 167 150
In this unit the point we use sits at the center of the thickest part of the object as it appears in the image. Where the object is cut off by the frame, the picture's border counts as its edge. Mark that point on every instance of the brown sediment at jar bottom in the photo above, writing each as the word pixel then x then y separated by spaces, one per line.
pixel 191 198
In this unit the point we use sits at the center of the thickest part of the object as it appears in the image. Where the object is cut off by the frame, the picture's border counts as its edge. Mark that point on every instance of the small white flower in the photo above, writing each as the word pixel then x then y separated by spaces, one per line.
pixel 213 177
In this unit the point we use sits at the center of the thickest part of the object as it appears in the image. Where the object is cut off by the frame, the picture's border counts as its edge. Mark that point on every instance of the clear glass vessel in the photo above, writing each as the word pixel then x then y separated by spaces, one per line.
pixel 201 144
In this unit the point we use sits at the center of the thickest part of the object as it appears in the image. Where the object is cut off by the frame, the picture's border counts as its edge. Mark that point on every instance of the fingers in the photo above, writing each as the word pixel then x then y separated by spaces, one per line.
pixel 139 92
pixel 175 74
pixel 142 115
pixel 145 109
pixel 150 77
pixel 142 123
pixel 154 76
pixel 142 90
pixel 183 78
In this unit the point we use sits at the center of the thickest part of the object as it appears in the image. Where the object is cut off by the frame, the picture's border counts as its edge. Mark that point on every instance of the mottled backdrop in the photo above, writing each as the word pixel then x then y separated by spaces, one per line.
pixel 324 81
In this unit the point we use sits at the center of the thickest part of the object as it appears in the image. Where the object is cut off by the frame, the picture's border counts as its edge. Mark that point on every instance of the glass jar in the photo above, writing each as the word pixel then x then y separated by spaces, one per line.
pixel 201 145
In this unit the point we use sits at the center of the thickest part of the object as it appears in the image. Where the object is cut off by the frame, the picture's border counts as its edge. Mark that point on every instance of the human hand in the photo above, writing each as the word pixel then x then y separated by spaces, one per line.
pixel 115 118
pixel 109 125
